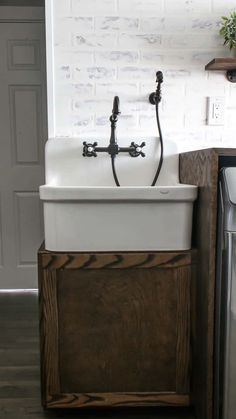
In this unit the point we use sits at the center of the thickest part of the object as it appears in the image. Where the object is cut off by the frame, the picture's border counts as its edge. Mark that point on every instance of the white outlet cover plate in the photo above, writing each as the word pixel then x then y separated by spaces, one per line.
pixel 215 110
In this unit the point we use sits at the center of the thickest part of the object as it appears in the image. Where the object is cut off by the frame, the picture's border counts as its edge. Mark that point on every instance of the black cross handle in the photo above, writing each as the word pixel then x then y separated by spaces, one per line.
pixel 89 149
pixel 136 149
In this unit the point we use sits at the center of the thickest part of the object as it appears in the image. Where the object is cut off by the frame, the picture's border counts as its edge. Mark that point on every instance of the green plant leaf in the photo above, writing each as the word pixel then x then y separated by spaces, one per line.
pixel 228 29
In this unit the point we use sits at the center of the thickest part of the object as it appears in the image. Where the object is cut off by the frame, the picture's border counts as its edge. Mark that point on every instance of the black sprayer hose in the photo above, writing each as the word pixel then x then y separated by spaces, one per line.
pixel 161 153
pixel 114 171
pixel 161 144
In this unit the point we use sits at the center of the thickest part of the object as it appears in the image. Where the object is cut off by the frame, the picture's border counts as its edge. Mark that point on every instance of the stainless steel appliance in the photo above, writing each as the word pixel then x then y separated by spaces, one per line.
pixel 225 330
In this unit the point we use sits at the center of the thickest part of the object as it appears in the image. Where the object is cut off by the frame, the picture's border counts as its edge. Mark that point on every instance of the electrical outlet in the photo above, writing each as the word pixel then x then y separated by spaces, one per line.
pixel 215 110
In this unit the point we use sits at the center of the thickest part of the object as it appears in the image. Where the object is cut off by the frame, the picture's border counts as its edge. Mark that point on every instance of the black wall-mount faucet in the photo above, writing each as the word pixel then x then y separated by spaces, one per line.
pixel 134 150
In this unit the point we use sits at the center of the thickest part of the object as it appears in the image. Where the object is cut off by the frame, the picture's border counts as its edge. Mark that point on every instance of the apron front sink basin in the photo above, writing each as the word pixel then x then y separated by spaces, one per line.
pixel 79 218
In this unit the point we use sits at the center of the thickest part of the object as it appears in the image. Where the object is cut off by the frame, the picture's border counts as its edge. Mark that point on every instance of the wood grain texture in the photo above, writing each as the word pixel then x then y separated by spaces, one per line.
pixel 57 260
pixel 221 64
pixel 201 168
pixel 183 281
pixel 116 340
pixel 116 400
pixel 120 330
pixel 48 332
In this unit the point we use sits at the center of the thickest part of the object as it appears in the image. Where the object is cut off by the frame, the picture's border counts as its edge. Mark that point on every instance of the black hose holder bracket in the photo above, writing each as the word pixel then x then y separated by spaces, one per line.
pixel 155 97
pixel 152 98
pixel 231 75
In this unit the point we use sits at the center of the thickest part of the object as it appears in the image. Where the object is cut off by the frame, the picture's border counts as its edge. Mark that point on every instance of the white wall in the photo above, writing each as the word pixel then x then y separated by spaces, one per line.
pixel 109 47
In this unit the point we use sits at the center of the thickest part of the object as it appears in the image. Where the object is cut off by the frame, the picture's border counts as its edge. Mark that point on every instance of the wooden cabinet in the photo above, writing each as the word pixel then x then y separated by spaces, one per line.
pixel 201 168
pixel 115 329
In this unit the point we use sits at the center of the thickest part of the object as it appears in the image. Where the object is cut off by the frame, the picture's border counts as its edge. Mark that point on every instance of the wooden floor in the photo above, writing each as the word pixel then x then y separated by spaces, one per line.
pixel 19 368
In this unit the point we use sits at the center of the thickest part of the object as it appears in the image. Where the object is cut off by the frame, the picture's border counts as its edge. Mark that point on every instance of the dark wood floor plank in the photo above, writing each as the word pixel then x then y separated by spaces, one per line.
pixel 19 389
pixel 18 357
pixel 15 323
pixel 16 374
pixel 28 333
pixel 19 299
pixel 20 344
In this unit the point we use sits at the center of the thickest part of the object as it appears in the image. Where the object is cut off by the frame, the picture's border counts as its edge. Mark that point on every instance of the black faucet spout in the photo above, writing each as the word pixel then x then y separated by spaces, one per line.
pixel 113 148
pixel 134 150
pixel 116 106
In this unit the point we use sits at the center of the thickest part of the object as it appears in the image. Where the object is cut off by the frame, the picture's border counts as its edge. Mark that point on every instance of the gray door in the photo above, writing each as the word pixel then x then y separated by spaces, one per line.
pixel 23 130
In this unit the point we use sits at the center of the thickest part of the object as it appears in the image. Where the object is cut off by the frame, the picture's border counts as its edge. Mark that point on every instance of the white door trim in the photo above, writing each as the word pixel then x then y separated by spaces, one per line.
pixel 50 67
pixel 38 14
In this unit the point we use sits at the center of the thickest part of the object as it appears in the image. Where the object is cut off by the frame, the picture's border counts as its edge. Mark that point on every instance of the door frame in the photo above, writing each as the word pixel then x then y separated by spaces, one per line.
pixel 37 14
pixel 50 67
pixel 22 14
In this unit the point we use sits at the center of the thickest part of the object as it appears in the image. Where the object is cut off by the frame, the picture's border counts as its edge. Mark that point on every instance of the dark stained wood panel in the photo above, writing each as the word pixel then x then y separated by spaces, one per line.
pixel 122 324
pixel 49 325
pixel 221 64
pixel 118 400
pixel 201 168
pixel 58 260
pixel 183 321
pixel 120 330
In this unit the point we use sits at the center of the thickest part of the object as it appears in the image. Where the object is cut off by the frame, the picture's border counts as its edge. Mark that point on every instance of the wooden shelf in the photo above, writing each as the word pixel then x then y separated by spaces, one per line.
pixel 221 64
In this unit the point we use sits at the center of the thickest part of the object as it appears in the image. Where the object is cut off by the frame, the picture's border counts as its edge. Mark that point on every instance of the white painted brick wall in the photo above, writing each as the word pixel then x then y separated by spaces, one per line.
pixel 108 47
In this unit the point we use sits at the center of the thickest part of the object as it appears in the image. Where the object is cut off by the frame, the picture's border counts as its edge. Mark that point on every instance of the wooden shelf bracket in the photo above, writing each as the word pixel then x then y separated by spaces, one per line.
pixel 224 64
pixel 231 75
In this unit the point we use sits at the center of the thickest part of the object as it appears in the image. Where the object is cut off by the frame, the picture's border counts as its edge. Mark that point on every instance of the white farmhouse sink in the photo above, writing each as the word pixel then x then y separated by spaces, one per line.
pixel 83 211
pixel 118 219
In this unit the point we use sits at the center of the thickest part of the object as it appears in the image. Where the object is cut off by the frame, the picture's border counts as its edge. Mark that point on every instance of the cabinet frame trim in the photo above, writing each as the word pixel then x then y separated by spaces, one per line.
pixel 49 263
